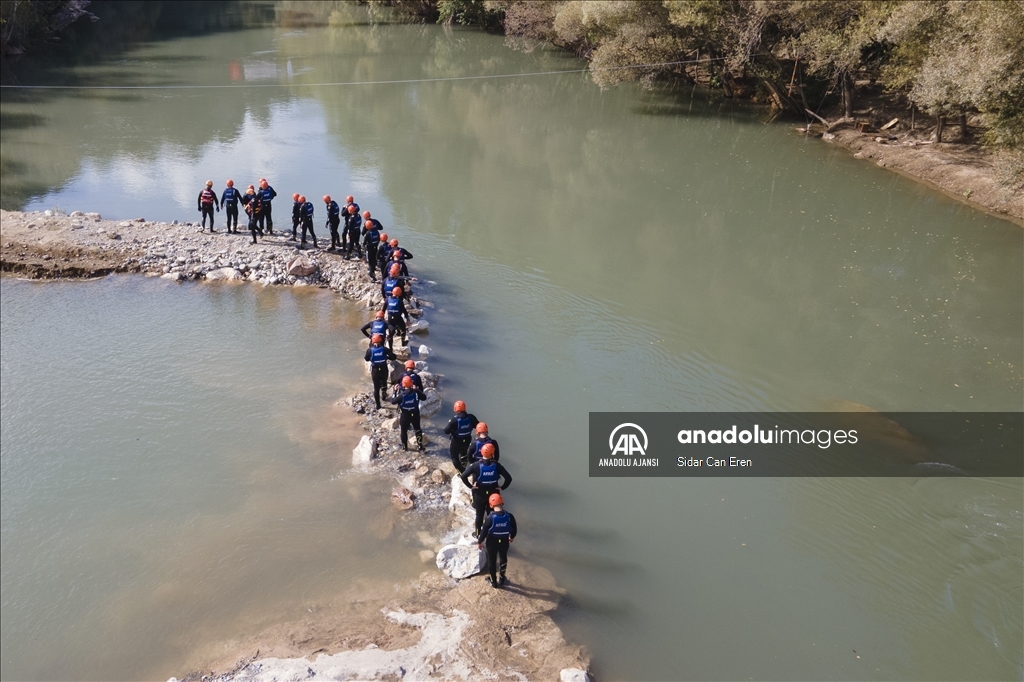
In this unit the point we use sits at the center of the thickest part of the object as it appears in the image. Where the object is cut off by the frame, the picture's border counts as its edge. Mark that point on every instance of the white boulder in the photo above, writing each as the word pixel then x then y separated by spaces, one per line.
pixel 223 274
pixel 419 327
pixel 461 561
pixel 424 351
pixel 364 452
pixel 432 405
pixel 573 675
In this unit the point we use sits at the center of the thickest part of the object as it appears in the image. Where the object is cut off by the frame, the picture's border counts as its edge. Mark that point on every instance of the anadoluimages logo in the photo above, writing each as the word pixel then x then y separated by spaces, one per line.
pixel 628 442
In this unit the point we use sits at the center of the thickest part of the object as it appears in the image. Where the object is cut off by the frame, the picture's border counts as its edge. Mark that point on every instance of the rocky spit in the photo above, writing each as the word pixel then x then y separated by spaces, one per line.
pixel 442 626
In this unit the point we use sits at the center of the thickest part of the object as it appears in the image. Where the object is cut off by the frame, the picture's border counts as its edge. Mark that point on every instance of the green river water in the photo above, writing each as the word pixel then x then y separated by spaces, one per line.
pixel 173 470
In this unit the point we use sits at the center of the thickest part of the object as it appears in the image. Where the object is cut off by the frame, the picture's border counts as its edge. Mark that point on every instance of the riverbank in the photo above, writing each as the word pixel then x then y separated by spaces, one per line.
pixel 441 625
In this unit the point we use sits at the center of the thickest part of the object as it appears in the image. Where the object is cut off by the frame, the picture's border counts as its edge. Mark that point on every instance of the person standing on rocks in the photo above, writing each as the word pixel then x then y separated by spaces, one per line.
pixel 254 207
pixel 410 371
pixel 307 222
pixel 351 214
pixel 408 400
pixel 207 200
pixel 267 195
pixel 375 327
pixel 482 439
pixel 296 215
pixel 399 255
pixel 229 200
pixel 378 356
pixel 398 316
pixel 497 533
pixel 485 473
pixel 351 201
pixel 460 428
pixel 333 220
pixel 395 279
pixel 371 237
pixel 353 228
pixel 383 254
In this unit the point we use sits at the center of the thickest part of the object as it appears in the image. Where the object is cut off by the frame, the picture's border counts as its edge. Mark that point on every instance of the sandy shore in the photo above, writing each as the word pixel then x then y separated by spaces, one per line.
pixel 436 627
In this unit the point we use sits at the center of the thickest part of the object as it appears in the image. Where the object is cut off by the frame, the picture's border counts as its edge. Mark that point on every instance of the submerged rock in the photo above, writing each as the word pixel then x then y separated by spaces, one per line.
pixel 432 405
pixel 403 498
pixel 419 327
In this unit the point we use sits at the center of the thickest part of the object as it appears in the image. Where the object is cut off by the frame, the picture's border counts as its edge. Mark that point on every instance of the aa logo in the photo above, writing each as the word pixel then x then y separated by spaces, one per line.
pixel 629 441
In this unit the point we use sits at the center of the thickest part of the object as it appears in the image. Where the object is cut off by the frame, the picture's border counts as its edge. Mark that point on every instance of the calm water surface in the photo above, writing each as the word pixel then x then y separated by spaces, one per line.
pixel 620 250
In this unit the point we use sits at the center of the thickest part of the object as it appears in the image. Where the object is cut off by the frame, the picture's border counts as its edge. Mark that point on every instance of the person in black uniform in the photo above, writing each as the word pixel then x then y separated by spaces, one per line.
pixel 497 533
pixel 296 215
pixel 485 473
pixel 267 195
pixel 376 326
pixel 383 254
pixel 307 222
pixel 482 439
pixel 353 226
pixel 371 237
pixel 460 428
pixel 253 207
pixel 410 371
pixel 377 355
pixel 333 220
pixel 398 316
pixel 408 399
pixel 207 199
pixel 229 200
pixel 395 279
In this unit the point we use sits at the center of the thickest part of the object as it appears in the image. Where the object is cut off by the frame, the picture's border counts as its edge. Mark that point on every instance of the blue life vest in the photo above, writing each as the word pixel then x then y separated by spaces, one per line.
pixel 268 194
pixel 378 355
pixel 393 305
pixel 501 525
pixel 231 196
pixel 307 210
pixel 355 221
pixel 488 477
pixel 416 381
pixel 410 401
pixel 353 204
pixel 463 426
pixel 390 283
pixel 378 327
pixel 480 443
pixel 333 209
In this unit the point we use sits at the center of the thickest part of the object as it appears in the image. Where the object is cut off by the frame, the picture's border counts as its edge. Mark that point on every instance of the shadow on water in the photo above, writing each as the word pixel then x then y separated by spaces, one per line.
pixel 15 120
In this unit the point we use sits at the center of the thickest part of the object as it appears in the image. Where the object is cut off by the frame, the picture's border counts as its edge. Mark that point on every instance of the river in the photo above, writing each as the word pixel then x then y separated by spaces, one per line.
pixel 592 250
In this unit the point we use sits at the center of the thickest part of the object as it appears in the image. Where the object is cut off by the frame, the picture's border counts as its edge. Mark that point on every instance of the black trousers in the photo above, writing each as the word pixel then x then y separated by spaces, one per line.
pixel 497 556
pixel 207 211
pixel 307 224
pixel 232 214
pixel 396 323
pixel 295 226
pixel 458 449
pixel 480 496
pixel 353 240
pixel 406 419
pixel 371 260
pixel 333 223
pixel 379 374
pixel 254 227
pixel 266 218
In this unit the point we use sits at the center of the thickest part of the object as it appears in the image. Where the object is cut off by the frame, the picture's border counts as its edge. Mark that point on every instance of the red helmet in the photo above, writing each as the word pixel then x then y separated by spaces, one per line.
pixel 295 197
pixel 349 199
pixel 393 242
pixel 351 209
pixel 407 383
pixel 263 183
pixel 384 236
pixel 327 198
pixel 396 254
pixel 377 338
pixel 302 199
pixel 459 406
pixel 369 224
pixel 481 427
pixel 396 292
pixel 230 183
pixel 487 451
pixel 366 214
pixel 410 364
pixel 380 315
pixel 395 269
pixel 495 500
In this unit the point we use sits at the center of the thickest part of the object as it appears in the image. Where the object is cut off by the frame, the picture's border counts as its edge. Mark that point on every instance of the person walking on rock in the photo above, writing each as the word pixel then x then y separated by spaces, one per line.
pixel 378 356
pixel 267 195
pixel 482 439
pixel 353 226
pixel 371 237
pixel 296 215
pixel 460 428
pixel 376 326
pixel 307 222
pixel 207 200
pixel 485 473
pixel 395 279
pixel 398 316
pixel 383 254
pixel 253 207
pixel 408 400
pixel 229 200
pixel 496 534
pixel 333 220
pixel 410 371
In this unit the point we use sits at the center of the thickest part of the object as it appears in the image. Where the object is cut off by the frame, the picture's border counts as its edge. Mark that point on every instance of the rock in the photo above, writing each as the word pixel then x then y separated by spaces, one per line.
pixel 461 502
pixel 300 267
pixel 573 675
pixel 422 470
pixel 438 477
pixel 77 214
pixel 176 276
pixel 403 498
pixel 419 327
pixel 223 274
pixel 432 405
pixel 461 561
pixel 421 366
pixel 402 353
pixel 426 556
pixel 389 424
pixel 424 351
pixel 429 379
pixel 48 213
pixel 364 452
